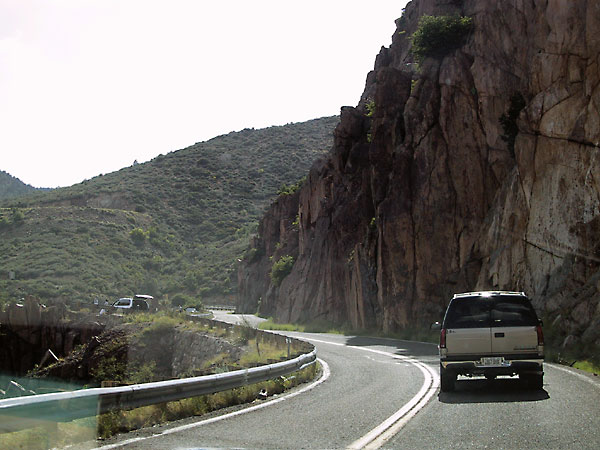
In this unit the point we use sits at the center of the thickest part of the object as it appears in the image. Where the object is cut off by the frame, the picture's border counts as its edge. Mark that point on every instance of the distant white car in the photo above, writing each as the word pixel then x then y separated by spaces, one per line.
pixel 127 304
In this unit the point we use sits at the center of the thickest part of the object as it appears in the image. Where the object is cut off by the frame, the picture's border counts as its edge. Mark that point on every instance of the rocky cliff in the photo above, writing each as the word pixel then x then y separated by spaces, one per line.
pixel 476 169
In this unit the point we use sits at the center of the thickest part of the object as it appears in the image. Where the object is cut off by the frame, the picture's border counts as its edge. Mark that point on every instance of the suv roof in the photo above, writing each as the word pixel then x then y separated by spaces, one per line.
pixel 489 294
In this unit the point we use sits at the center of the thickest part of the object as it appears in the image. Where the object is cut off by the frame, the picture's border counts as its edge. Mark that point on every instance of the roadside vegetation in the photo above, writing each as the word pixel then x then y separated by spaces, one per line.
pixel 580 355
pixel 107 425
pixel 124 421
pixel 151 329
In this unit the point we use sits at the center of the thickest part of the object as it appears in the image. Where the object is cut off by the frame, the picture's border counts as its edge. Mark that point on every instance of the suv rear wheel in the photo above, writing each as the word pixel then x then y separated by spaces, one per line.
pixel 447 380
pixel 534 381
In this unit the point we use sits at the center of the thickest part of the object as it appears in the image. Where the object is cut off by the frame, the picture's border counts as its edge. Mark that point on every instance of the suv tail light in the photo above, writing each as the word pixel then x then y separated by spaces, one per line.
pixel 540 335
pixel 443 338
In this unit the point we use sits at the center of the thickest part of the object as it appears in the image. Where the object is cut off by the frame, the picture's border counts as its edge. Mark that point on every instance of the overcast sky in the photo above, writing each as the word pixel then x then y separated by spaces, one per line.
pixel 89 86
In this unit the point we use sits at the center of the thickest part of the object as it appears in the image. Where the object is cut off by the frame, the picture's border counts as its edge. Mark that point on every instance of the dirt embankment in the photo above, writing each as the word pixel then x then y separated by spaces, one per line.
pixel 142 352
pixel 49 342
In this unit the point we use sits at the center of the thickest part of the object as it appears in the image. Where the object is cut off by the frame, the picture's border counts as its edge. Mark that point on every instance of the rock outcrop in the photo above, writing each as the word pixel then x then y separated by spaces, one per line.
pixel 28 330
pixel 477 170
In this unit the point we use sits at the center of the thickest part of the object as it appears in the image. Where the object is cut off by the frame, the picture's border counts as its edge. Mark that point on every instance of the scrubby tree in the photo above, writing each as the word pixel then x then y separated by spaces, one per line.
pixel 436 36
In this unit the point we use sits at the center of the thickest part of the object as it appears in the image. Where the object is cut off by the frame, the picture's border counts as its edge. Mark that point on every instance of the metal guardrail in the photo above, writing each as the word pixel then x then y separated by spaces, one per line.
pixel 26 412
pixel 221 307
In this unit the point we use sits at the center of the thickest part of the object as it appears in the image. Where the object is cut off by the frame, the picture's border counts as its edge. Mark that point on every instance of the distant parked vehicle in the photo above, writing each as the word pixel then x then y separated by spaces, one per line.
pixel 147 298
pixel 128 304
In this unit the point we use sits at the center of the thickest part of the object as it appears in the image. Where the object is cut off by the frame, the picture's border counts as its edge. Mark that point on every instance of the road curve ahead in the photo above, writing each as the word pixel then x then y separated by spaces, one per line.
pixel 370 380
pixel 378 395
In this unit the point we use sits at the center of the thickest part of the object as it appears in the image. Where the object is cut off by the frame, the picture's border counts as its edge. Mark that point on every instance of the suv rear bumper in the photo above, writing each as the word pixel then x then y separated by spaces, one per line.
pixel 508 367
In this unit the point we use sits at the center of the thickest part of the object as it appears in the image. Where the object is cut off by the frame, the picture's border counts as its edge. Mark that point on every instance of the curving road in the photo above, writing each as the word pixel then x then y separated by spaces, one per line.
pixel 373 379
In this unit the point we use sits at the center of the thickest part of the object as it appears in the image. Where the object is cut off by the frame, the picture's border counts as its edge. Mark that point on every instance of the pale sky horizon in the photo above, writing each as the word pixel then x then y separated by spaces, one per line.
pixel 89 86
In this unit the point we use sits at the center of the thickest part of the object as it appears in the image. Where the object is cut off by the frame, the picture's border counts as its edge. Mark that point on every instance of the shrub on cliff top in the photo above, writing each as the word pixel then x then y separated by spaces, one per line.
pixel 438 35
pixel 290 189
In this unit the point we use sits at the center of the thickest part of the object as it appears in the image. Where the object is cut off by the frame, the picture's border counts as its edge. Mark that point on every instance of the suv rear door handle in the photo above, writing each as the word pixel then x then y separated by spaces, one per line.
pixel 498 334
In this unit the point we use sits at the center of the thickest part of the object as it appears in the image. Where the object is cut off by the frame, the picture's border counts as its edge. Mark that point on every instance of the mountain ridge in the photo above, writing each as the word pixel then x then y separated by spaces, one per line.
pixel 11 187
pixel 174 225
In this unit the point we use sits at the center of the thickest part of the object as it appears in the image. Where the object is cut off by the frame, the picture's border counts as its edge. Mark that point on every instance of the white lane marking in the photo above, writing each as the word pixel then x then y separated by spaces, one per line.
pixel 324 376
pixel 383 432
pixel 370 358
pixel 573 372
pixel 377 437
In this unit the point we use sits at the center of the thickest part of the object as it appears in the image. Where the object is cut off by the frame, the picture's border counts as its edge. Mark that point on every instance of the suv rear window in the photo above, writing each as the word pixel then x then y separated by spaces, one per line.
pixel 495 311
pixel 469 312
pixel 512 312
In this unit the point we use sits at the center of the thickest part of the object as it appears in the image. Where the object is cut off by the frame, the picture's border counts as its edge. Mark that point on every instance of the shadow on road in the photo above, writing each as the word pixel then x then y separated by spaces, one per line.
pixel 501 390
pixel 406 348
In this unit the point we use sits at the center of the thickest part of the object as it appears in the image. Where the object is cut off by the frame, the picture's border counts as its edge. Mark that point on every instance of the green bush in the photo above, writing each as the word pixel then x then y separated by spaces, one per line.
pixel 436 36
pixel 17 215
pixel 281 269
pixel 109 368
pixel 370 108
pixel 290 189
pixel 138 236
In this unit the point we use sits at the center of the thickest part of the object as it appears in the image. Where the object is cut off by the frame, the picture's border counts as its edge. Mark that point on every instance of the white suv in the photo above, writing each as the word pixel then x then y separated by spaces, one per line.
pixel 491 333
pixel 128 304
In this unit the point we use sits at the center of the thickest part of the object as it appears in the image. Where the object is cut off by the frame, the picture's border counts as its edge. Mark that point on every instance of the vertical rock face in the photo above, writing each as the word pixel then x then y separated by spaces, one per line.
pixel 432 193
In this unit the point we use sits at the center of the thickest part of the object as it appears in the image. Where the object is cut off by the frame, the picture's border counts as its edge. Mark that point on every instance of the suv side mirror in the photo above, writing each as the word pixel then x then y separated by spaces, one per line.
pixel 436 326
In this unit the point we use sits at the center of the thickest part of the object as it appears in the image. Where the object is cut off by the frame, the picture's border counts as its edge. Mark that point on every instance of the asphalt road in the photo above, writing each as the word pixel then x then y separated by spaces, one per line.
pixel 229 317
pixel 504 414
pixel 371 380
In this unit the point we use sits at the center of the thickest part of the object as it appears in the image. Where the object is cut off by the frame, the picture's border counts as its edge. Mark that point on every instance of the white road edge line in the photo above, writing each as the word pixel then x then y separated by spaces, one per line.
pixel 574 373
pixel 382 433
pixel 324 376
pixel 377 437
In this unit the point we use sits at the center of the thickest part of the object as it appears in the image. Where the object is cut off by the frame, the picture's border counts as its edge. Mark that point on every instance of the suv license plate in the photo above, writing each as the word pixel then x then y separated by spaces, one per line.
pixel 492 362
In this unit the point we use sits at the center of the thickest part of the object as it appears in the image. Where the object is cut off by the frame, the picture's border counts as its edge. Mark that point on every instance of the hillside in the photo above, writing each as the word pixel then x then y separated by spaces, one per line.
pixel 470 163
pixel 176 224
pixel 11 187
